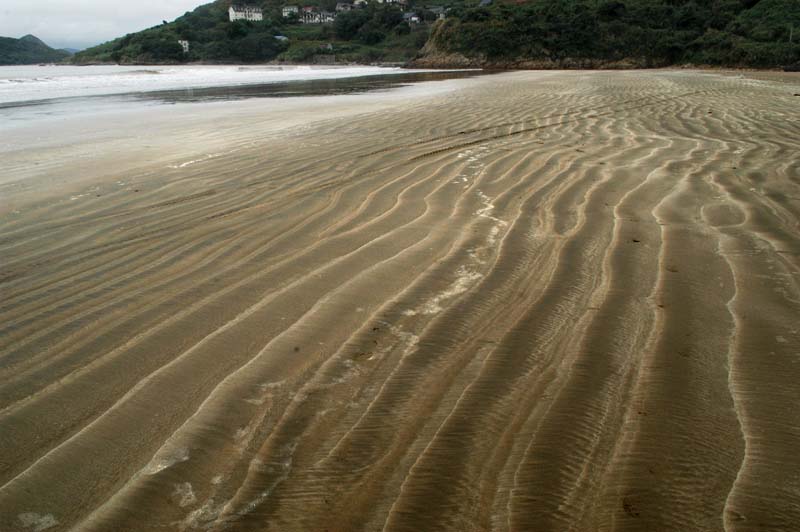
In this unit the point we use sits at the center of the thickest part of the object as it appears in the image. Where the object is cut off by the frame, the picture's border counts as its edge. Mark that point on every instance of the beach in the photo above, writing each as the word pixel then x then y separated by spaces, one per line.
pixel 527 301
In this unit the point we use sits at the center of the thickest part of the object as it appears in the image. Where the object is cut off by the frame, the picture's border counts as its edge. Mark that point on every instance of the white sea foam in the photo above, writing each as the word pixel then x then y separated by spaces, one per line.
pixel 31 83
pixel 465 278
pixel 37 522
pixel 184 494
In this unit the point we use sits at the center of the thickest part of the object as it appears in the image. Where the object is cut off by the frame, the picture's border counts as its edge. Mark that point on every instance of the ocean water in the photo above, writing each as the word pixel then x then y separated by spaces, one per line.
pixel 39 95
pixel 19 84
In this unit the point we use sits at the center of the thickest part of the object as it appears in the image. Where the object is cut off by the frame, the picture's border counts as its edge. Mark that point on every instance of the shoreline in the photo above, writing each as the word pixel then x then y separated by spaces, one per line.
pixel 45 158
pixel 459 61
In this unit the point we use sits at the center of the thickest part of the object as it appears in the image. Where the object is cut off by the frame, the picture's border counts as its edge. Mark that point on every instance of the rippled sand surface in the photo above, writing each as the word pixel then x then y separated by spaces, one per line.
pixel 542 302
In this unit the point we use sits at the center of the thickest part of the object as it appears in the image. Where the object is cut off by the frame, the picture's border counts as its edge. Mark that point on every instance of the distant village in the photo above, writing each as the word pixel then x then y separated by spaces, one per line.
pixel 314 15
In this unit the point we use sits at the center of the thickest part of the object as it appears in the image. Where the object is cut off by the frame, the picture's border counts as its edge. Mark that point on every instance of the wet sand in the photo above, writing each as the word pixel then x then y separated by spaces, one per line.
pixel 533 302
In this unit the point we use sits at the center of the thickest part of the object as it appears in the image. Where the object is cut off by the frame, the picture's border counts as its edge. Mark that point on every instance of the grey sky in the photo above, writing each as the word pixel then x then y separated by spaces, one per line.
pixel 81 23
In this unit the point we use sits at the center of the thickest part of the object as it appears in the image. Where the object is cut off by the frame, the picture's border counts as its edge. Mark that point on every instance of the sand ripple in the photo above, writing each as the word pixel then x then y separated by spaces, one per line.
pixel 556 301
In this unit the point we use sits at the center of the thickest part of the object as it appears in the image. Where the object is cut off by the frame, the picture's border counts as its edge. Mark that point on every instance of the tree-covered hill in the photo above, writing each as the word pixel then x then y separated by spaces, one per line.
pixel 375 33
pixel 507 33
pixel 28 50
pixel 638 33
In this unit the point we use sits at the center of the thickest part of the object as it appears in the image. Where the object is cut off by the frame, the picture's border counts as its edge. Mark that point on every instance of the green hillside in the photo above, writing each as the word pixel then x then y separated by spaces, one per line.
pixel 376 33
pixel 28 50
pixel 753 33
pixel 532 33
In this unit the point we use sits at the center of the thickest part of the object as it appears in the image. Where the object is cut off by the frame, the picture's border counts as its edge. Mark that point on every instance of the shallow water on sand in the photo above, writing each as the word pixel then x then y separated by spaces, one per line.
pixel 31 93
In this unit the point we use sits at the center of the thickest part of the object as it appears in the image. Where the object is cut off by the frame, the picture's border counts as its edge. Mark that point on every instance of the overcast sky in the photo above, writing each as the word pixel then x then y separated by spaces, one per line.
pixel 82 23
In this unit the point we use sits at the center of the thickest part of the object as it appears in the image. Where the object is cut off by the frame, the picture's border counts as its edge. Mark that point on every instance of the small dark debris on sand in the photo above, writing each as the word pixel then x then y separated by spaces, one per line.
pixel 630 510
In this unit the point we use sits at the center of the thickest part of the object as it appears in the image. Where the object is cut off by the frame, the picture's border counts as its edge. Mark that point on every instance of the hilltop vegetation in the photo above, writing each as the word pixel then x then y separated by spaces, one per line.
pixel 376 33
pixel 28 50
pixel 643 33
pixel 543 33
pixel 212 38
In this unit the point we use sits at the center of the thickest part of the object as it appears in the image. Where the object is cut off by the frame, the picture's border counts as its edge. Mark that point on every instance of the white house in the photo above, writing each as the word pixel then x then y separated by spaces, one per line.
pixel 360 3
pixel 343 6
pixel 290 10
pixel 184 45
pixel 310 15
pixel 250 13
pixel 439 11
